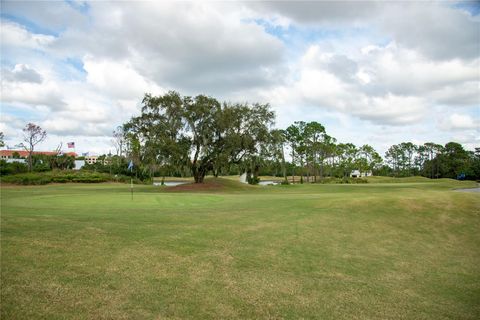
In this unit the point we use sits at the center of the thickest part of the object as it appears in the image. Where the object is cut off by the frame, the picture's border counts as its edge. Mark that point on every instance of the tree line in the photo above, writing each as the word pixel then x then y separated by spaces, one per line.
pixel 186 136
pixel 433 161
pixel 195 136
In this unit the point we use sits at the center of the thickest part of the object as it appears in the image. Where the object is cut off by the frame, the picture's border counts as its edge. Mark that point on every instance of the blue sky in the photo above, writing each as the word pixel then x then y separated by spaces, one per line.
pixel 377 73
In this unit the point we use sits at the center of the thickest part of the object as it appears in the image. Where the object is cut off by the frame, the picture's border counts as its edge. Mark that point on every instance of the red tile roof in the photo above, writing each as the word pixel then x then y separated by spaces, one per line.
pixel 24 153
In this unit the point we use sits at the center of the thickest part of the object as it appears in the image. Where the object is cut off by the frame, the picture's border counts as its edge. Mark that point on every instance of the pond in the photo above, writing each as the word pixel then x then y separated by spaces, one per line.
pixel 169 183
pixel 268 182
pixel 469 190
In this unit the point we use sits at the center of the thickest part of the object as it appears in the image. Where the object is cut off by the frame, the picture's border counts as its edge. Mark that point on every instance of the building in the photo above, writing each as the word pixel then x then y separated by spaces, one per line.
pixel 94 159
pixel 8 154
pixel 357 174
pixel 91 159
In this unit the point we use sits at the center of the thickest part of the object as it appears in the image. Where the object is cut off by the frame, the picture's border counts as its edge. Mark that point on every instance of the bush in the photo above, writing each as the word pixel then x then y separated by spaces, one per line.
pixel 39 178
pixel 346 180
pixel 12 168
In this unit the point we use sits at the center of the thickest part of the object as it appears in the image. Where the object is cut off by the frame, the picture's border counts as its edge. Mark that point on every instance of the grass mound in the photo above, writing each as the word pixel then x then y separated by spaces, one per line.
pixel 382 179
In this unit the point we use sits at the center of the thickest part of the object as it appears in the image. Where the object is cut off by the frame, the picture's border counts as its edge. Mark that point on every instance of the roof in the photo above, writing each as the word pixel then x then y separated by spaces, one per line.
pixel 24 154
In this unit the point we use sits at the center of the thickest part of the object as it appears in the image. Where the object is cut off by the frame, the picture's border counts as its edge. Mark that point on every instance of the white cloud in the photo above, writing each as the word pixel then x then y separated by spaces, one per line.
pixel 339 63
pixel 404 71
pixel 22 73
pixel 46 94
pixel 118 79
pixel 186 46
pixel 459 122
pixel 435 29
pixel 15 35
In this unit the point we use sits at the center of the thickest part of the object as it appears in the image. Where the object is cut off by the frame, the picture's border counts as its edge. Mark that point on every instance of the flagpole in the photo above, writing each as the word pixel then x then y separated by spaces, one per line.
pixel 131 187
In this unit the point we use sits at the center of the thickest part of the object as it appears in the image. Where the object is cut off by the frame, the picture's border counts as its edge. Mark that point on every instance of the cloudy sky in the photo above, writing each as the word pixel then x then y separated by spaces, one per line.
pixel 371 72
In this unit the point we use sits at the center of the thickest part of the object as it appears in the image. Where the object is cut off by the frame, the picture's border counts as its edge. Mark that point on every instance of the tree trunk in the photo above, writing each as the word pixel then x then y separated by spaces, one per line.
pixel 308 172
pixel 293 166
pixel 249 175
pixel 199 175
pixel 301 172
pixel 284 169
pixel 256 170
pixel 30 160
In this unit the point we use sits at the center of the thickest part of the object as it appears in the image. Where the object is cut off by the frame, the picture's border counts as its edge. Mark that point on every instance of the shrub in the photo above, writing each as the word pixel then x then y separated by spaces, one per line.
pixel 12 168
pixel 38 178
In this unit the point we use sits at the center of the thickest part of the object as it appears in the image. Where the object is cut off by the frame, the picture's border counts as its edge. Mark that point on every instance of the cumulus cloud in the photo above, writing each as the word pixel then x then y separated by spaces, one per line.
pixel 22 73
pixel 405 71
pixel 15 35
pixel 436 29
pixel 118 79
pixel 459 122
pixel 81 69
pixel 46 94
pixel 189 46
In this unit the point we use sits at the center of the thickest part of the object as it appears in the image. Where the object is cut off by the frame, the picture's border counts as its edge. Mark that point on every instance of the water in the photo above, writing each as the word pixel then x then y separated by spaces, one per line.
pixel 469 190
pixel 268 182
pixel 169 183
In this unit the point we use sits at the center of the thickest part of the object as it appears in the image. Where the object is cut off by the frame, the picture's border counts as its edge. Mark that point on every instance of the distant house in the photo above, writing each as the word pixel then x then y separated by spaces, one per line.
pixel 358 174
pixel 94 159
pixel 9 154
pixel 91 159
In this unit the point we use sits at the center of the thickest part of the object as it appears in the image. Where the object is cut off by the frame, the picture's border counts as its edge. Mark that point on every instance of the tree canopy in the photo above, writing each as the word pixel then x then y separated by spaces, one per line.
pixel 199 133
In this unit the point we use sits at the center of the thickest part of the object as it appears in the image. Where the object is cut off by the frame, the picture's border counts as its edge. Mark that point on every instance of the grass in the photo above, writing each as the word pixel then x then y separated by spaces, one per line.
pixel 405 250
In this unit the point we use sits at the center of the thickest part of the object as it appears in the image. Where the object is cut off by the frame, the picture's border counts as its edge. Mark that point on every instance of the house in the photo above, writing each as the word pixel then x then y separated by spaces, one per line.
pixel 9 154
pixel 91 159
pixel 358 174
pixel 94 159
pixel 355 174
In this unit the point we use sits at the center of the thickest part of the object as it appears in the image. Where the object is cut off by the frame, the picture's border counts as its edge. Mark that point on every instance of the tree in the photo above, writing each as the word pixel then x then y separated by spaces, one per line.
pixel 118 140
pixel 292 135
pixel 2 140
pixel 277 143
pixel 348 155
pixel 315 138
pixel 314 134
pixel 199 132
pixel 408 151
pixel 371 158
pixel 257 121
pixel 394 156
pixel 454 161
pixel 32 135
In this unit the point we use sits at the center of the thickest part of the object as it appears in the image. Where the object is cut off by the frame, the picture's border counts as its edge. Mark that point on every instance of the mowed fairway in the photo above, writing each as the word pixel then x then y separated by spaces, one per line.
pixel 372 251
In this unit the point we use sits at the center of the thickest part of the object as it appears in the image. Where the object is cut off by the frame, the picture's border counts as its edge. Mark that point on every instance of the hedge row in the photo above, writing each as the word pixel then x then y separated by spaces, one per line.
pixel 39 178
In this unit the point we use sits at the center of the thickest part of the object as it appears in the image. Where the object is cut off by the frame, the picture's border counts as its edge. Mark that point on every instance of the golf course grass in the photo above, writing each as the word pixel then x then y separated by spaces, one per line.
pixel 381 250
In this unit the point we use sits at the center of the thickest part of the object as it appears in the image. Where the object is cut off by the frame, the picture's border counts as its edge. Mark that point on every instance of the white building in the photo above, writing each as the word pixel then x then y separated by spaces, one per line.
pixel 358 174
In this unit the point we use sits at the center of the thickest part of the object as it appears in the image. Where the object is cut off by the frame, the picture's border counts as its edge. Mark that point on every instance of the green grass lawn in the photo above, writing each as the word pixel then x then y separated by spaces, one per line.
pixel 405 250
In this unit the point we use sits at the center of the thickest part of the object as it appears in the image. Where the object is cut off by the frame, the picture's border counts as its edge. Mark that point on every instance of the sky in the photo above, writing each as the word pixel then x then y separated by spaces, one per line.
pixel 376 73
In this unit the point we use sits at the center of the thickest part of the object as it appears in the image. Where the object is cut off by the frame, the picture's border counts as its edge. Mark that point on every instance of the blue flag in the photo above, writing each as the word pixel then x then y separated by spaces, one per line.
pixel 130 166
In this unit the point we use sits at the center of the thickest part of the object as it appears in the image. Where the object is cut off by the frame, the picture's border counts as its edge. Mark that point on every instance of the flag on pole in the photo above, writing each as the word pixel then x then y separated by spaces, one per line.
pixel 130 166
pixel 71 144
